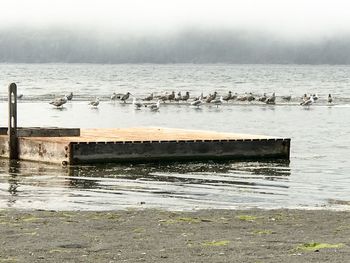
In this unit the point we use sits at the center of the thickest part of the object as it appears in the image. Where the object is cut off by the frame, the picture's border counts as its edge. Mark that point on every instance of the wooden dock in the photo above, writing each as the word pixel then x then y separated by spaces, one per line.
pixel 145 145
pixel 82 146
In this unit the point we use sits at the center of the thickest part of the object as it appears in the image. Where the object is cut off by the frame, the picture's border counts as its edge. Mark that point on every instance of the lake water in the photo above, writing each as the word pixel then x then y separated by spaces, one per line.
pixel 318 175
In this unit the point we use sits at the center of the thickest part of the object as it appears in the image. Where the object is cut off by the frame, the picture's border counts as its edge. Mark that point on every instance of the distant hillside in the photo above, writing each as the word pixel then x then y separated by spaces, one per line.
pixel 189 46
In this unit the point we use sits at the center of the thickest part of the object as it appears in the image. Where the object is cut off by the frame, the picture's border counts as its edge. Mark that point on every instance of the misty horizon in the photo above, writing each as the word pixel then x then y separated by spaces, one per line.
pixel 156 31
pixel 59 45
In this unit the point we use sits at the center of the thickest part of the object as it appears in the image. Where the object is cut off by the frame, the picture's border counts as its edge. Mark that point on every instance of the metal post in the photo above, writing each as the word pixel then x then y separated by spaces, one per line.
pixel 12 129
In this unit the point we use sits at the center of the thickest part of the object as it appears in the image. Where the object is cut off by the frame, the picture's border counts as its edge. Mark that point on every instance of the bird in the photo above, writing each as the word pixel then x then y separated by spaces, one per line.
pixel 70 96
pixel 330 99
pixel 242 98
pixel 171 96
pixel 234 96
pixel 228 96
pixel 58 102
pixel 149 98
pixel 178 97
pixel 211 97
pixel 94 103
pixel 196 103
pixel 200 97
pixel 287 98
pixel 218 101
pixel 113 96
pixel 305 97
pixel 125 97
pixel 272 99
pixel 137 104
pixel 314 97
pixel 186 97
pixel 163 97
pixel 263 98
pixel 250 97
pixel 307 102
pixel 155 106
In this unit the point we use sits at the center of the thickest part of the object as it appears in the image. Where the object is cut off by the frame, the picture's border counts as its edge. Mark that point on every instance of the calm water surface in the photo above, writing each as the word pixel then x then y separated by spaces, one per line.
pixel 318 175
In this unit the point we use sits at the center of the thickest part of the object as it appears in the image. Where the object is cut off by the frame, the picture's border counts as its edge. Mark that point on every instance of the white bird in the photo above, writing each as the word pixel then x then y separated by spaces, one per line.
pixel 196 103
pixel 228 96
pixel 113 96
pixel 155 106
pixel 307 102
pixel 58 102
pixel 137 104
pixel 94 103
pixel 218 101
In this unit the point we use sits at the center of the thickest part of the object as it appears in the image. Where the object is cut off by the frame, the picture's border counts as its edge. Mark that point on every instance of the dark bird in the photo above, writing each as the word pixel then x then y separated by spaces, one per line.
pixel 186 97
pixel 250 97
pixel 164 97
pixel 287 98
pixel 234 97
pixel 330 99
pixel 149 98
pixel 272 99
pixel 70 96
pixel 125 97
pixel 137 104
pixel 171 96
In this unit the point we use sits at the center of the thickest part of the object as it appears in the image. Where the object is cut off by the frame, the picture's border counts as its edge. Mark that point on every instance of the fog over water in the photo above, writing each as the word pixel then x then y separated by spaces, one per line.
pixel 271 31
pixel 187 46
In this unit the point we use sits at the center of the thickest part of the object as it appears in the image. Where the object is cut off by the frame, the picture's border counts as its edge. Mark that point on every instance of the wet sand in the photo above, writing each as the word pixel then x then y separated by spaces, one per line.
pixel 163 236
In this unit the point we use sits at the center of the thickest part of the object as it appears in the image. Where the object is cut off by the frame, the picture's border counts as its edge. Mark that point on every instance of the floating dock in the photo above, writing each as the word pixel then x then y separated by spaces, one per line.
pixel 144 145
pixel 83 146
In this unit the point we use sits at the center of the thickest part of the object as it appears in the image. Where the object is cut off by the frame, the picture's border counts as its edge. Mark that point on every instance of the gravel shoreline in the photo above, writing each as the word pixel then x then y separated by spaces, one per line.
pixel 162 236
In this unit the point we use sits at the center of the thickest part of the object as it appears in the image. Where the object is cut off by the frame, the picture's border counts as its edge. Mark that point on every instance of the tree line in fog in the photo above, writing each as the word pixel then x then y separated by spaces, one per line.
pixel 188 46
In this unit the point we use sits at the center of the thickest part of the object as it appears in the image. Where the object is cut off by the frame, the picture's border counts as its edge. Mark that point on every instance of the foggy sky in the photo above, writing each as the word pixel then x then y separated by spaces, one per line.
pixel 182 31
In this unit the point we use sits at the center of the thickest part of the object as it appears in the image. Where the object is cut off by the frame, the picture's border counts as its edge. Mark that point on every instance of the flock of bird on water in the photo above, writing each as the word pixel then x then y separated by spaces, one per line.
pixel 153 102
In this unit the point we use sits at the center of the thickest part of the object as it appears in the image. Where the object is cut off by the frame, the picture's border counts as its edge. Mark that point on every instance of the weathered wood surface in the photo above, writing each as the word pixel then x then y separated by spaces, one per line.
pixel 148 144
pixel 43 132
pixel 179 150
pixel 151 134
pixel 12 121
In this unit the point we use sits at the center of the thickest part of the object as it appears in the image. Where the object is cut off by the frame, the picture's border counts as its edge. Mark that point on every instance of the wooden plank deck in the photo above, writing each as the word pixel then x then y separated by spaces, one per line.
pixel 148 134
pixel 147 144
